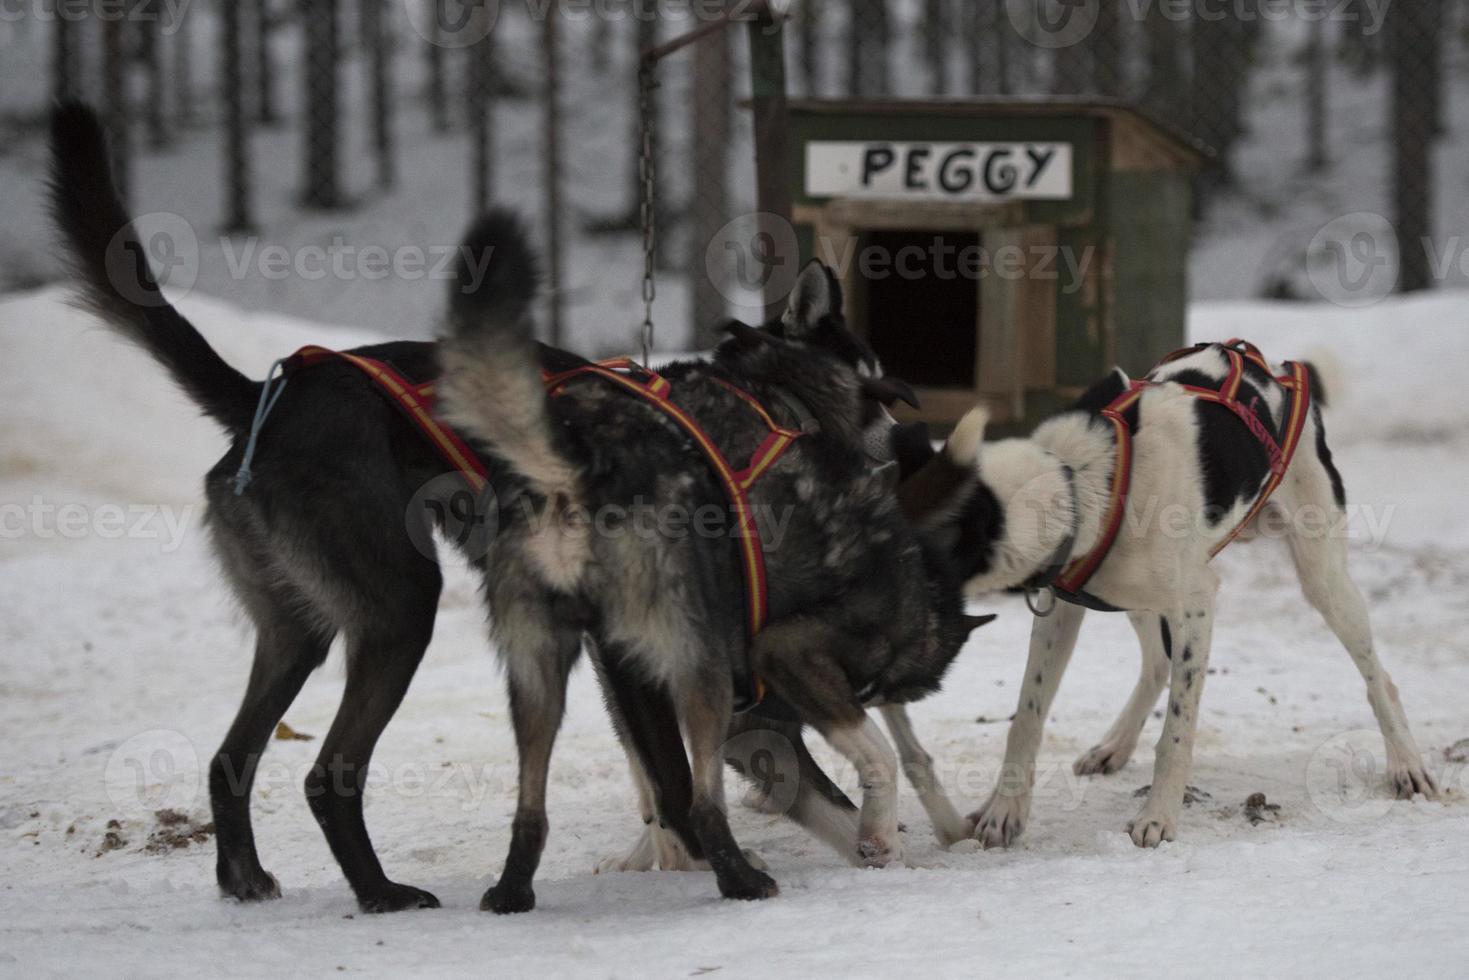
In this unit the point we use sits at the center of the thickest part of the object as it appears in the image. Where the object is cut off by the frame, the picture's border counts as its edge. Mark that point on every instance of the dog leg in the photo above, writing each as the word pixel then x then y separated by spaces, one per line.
pixel 1192 633
pixel 1321 562
pixel 706 720
pixel 822 808
pixel 646 723
pixel 865 747
pixel 537 671
pixel 1002 818
pixel 784 780
pixel 286 652
pixel 948 826
pixel 380 665
pixel 1116 747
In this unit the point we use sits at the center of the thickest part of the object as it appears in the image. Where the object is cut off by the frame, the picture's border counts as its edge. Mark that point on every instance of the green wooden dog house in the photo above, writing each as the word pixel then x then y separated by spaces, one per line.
pixel 1002 250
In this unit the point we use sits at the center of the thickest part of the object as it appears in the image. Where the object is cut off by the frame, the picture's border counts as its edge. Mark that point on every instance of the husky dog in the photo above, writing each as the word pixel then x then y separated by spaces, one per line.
pixel 1005 507
pixel 320 543
pixel 858 604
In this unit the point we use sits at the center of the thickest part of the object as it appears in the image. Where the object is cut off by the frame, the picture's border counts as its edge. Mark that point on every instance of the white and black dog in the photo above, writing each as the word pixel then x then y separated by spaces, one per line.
pixel 1010 505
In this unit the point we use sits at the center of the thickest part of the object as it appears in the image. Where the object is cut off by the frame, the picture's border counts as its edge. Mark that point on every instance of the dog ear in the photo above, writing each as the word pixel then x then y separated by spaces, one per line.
pixel 816 296
pixel 888 390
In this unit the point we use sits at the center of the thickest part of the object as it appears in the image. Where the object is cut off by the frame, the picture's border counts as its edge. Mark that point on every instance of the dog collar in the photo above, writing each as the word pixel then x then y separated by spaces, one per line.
pixel 1043 580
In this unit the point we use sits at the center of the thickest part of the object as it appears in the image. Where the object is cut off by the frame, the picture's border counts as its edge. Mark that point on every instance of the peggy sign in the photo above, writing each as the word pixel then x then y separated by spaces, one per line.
pixel 939 171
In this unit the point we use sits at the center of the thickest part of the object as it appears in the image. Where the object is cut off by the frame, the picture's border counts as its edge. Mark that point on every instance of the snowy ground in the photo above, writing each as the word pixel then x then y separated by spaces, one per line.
pixel 121 662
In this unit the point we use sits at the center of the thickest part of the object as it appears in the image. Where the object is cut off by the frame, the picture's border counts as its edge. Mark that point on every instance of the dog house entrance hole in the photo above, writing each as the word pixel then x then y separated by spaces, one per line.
pixel 922 305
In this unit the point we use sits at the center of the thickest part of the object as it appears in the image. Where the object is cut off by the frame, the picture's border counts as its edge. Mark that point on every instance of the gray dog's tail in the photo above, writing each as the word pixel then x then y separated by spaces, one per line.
pixel 111 267
pixel 491 385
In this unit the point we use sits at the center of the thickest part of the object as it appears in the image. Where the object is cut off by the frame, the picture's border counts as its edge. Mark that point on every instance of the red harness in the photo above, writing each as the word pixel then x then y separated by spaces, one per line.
pixel 1071 583
pixel 416 400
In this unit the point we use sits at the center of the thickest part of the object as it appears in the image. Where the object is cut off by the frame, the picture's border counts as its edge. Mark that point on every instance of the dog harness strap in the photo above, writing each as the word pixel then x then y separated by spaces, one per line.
pixel 416 401
pixel 1072 581
pixel 655 389
pixel 1298 390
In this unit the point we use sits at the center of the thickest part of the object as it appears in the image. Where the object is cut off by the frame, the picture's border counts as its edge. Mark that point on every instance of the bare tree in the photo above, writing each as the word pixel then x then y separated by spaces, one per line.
pixel 63 54
pixel 438 98
pixel 810 15
pixel 150 27
pixel 1413 45
pixel 936 31
pixel 237 148
pixel 267 111
pixel 1317 63
pixel 115 101
pixel 379 44
pixel 183 65
pixel 481 109
pixel 868 39
pixel 555 295
pixel 323 184
pixel 1164 91
pixel 1108 72
pixel 710 125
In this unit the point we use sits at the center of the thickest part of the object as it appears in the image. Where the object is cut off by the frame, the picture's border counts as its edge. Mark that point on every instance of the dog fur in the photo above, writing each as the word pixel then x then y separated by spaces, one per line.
pixel 1005 508
pixel 318 546
pixel 668 610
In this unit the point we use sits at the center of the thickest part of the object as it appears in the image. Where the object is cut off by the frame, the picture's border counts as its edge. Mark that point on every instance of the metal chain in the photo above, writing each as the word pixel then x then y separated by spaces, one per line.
pixel 647 83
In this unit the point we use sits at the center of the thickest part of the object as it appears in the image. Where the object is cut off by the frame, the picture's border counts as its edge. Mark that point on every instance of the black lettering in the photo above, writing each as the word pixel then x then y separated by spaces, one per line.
pixel 875 161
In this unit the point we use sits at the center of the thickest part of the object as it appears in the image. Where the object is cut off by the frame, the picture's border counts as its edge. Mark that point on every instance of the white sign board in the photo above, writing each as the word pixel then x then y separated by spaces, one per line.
pixel 939 171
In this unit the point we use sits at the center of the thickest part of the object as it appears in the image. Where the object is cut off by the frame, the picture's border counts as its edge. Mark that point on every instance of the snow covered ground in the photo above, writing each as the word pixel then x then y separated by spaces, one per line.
pixel 121 662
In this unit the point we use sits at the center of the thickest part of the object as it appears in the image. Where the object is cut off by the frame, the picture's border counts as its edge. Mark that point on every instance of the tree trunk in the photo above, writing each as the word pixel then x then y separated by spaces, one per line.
pixel 267 105
pixel 974 25
pixel 481 109
pixel 323 185
pixel 1164 91
pixel 1108 65
pixel 1220 55
pixel 555 295
pixel 936 31
pixel 183 67
pixel 867 48
pixel 115 102
pixel 1414 48
pixel 1002 33
pixel 711 127
pixel 438 98
pixel 237 150
pixel 1317 64
pixel 63 55
pixel 379 50
pixel 150 52
pixel 601 41
pixel 810 12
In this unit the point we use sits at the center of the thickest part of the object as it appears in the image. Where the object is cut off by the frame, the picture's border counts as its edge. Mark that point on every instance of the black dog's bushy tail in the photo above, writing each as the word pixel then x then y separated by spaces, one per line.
pixel 111 266
pixel 491 385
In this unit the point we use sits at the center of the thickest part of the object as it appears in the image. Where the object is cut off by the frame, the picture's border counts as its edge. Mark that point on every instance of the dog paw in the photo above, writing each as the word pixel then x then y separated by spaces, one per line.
pixel 255 885
pixel 506 898
pixel 952 833
pixel 393 897
pixel 879 851
pixel 748 886
pixel 1103 760
pixel 1410 779
pixel 613 864
pixel 1151 829
pixel 1001 821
